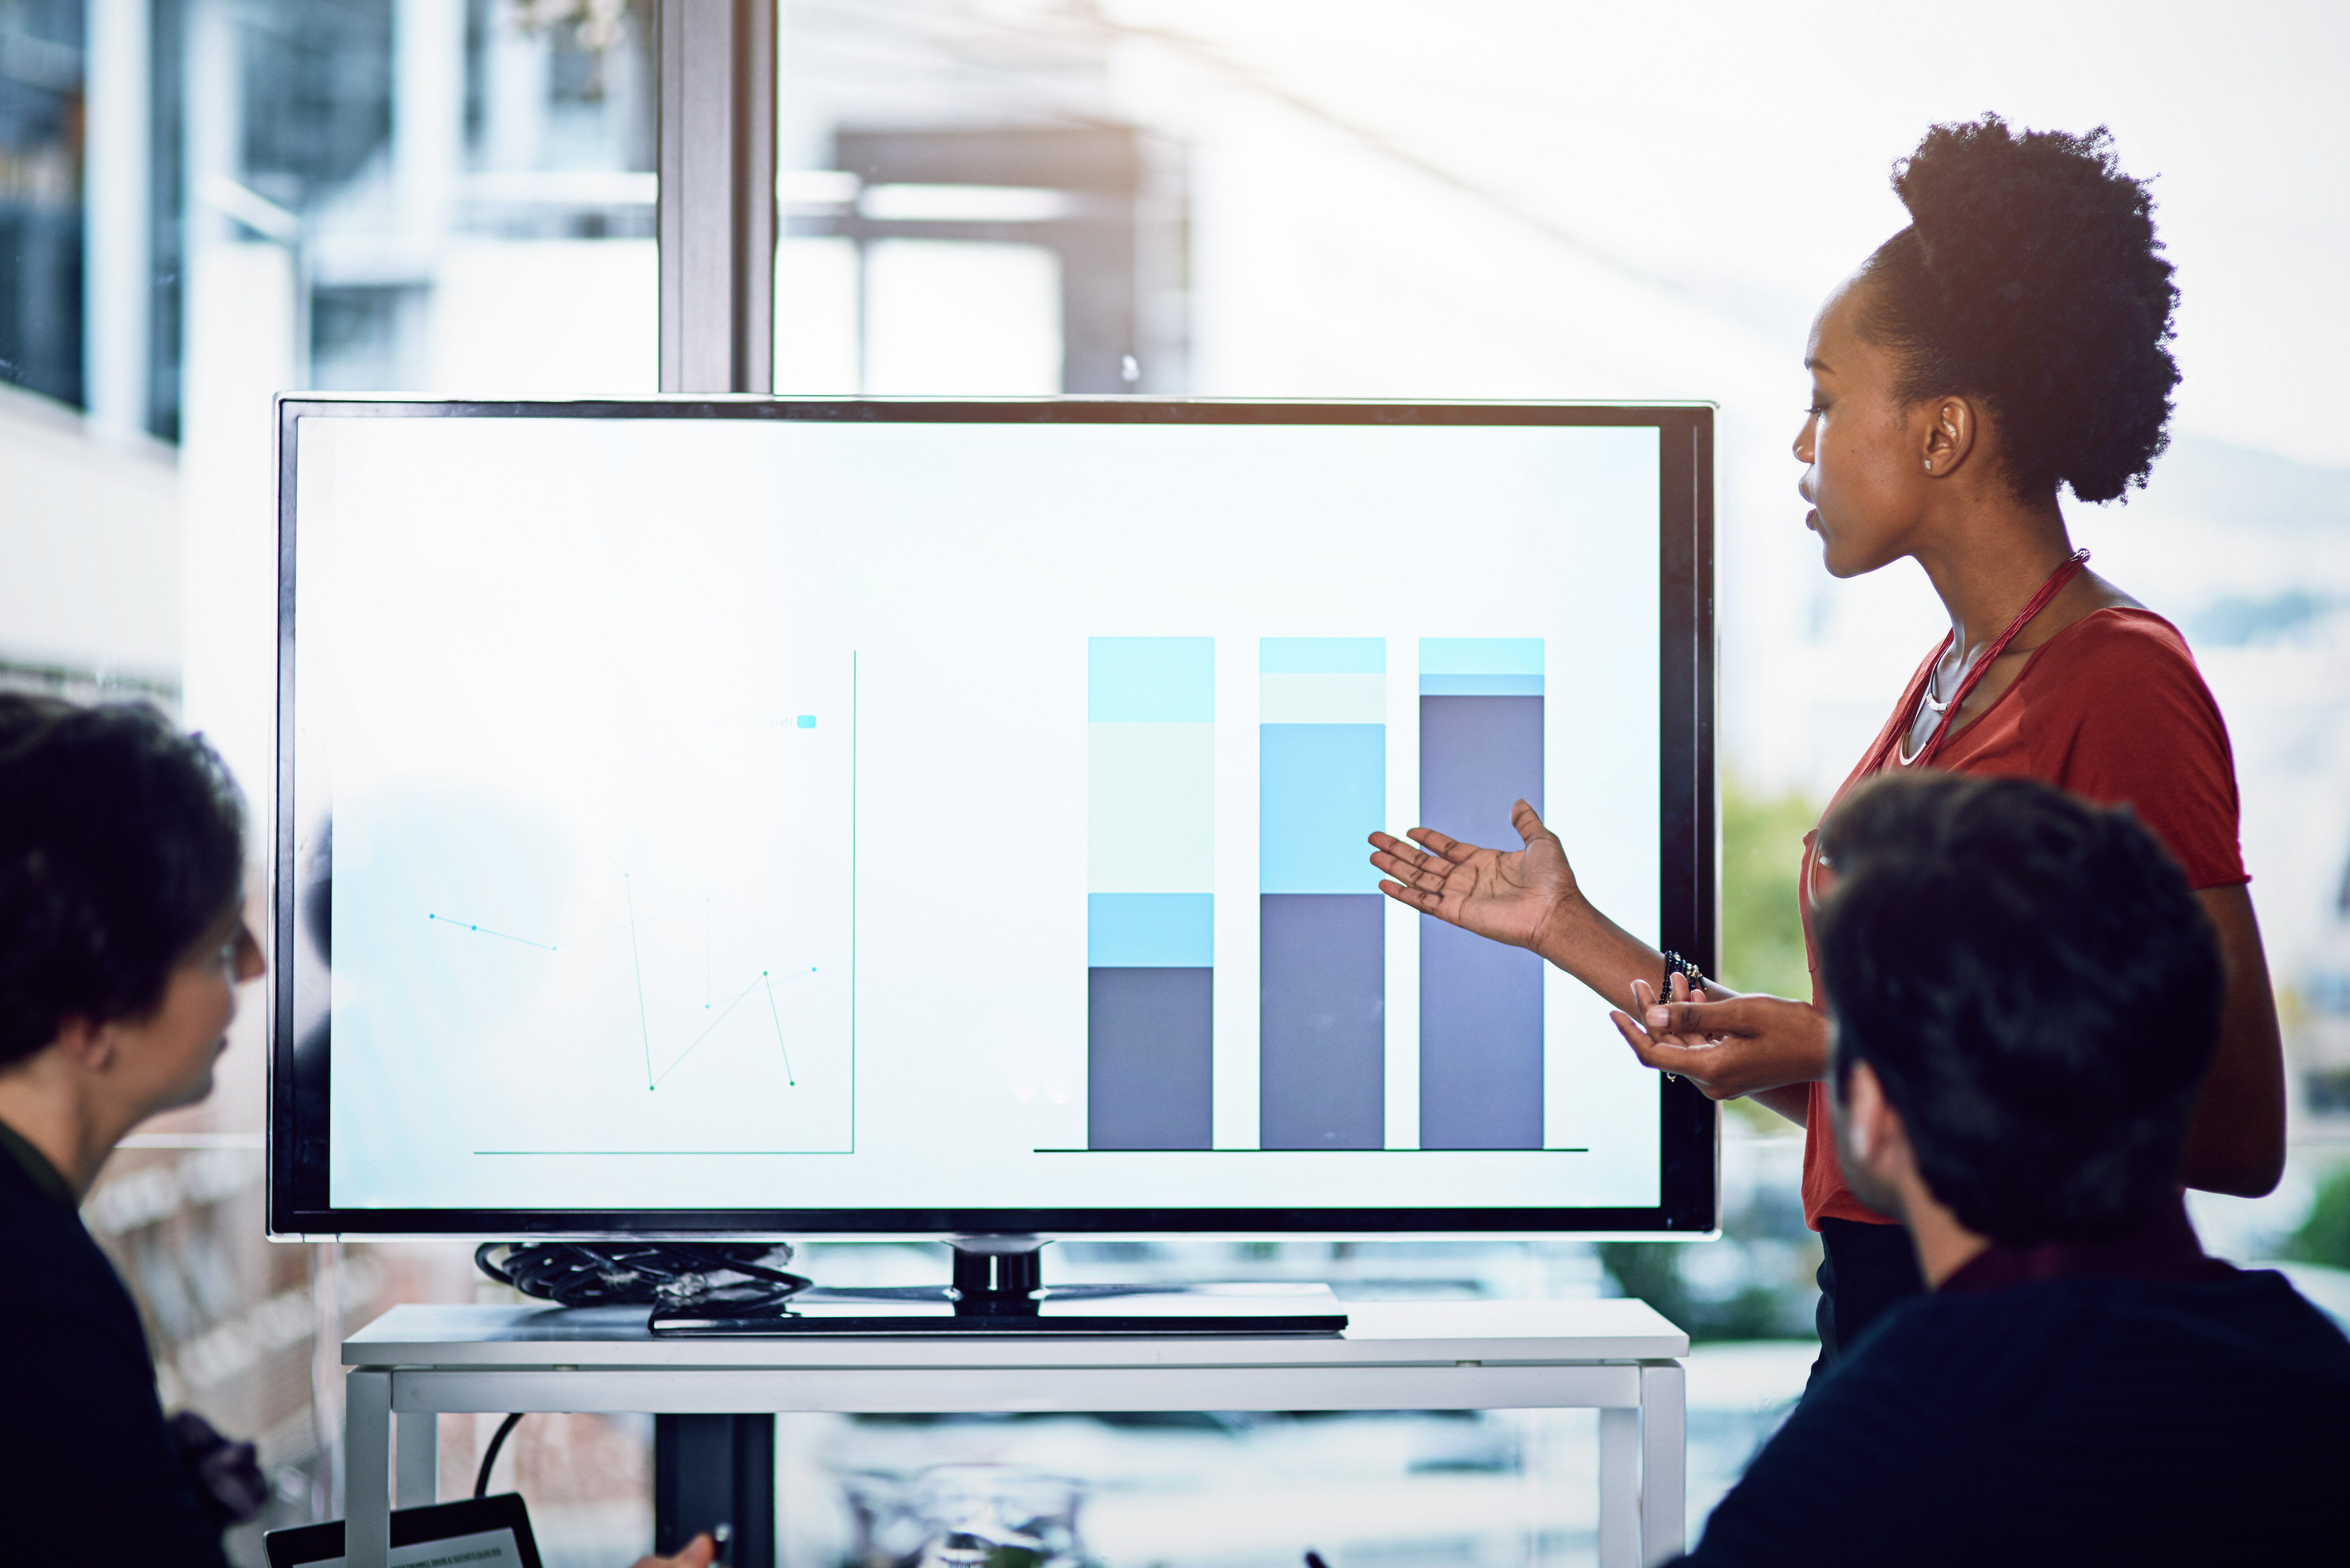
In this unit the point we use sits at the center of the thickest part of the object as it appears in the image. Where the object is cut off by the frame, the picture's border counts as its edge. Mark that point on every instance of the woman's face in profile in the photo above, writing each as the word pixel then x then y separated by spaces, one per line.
pixel 1863 473
pixel 168 1055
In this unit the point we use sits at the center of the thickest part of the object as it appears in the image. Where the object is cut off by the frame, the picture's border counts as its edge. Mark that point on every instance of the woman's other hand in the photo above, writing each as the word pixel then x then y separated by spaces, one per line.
pixel 1745 1046
pixel 1520 896
pixel 698 1553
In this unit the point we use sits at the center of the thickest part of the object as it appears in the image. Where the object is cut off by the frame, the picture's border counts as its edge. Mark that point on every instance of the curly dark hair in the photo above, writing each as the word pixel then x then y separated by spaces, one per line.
pixel 121 842
pixel 2029 276
pixel 2036 988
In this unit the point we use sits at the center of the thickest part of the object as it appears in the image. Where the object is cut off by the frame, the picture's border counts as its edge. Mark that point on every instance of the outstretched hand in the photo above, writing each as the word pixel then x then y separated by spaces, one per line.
pixel 1513 895
pixel 1742 1046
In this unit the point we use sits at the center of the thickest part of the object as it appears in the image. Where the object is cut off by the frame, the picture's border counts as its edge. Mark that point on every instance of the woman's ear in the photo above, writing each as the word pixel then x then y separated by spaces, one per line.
pixel 1952 426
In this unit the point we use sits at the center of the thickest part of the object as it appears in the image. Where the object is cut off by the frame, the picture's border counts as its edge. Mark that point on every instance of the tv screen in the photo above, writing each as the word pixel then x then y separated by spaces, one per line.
pixel 753 817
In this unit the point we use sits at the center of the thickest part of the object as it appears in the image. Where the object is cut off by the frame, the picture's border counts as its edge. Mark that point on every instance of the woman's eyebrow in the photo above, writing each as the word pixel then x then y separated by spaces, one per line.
pixel 1816 365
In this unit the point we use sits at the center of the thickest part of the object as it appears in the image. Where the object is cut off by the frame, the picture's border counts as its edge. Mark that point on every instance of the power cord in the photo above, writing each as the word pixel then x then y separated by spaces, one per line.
pixel 490 1455
pixel 735 1274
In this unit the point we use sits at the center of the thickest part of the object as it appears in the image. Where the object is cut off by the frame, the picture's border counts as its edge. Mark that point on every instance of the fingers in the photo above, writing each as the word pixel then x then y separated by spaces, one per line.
pixel 1451 849
pixel 1427 903
pixel 1689 1060
pixel 1528 822
pixel 1423 874
pixel 1739 1015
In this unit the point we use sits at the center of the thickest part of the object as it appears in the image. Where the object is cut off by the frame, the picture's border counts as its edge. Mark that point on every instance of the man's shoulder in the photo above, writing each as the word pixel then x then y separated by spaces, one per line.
pixel 2089 1415
pixel 53 1264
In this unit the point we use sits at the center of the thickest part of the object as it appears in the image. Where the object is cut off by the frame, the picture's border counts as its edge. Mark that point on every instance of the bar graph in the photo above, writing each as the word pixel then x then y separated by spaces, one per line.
pixel 1322 946
pixel 1481 1004
pixel 1151 904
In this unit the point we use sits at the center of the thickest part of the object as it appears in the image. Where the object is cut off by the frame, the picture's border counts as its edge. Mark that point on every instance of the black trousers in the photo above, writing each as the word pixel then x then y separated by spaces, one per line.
pixel 1866 1270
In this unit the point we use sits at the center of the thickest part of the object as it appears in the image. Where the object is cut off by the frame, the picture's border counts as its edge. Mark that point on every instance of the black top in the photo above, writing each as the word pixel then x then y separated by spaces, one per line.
pixel 91 1474
pixel 2027 1414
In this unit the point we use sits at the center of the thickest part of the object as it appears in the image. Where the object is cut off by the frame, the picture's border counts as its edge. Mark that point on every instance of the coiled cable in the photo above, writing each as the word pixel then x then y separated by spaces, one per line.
pixel 734 1274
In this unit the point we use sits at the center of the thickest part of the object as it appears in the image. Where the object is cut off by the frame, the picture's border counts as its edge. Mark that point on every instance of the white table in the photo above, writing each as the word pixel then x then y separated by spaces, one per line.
pixel 1617 1356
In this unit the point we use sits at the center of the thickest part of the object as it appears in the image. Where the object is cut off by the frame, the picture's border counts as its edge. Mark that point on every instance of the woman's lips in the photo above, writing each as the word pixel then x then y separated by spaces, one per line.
pixel 1812 519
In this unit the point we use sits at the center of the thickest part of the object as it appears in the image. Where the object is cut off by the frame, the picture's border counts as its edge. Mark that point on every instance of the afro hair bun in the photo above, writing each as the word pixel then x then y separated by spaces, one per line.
pixel 2031 276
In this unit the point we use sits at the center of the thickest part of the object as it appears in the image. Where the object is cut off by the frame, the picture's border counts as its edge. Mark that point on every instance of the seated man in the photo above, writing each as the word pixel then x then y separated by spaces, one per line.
pixel 2025 996
pixel 122 942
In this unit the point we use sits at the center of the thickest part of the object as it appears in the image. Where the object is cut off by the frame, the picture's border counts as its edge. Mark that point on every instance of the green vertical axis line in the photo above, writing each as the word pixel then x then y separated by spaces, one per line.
pixel 852 900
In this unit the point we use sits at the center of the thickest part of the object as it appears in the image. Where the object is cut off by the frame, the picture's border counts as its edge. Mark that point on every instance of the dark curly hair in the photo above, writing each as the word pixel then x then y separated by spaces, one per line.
pixel 2031 980
pixel 2029 276
pixel 121 842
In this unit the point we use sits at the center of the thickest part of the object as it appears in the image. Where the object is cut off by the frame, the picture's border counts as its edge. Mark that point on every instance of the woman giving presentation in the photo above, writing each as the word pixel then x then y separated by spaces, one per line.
pixel 2010 341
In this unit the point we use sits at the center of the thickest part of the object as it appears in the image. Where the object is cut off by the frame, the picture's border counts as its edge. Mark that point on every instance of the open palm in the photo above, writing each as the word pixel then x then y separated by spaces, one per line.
pixel 1511 895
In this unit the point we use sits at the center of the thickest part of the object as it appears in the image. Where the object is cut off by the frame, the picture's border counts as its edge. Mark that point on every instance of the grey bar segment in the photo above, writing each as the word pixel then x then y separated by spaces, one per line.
pixel 1149 1054
pixel 1322 1020
pixel 1481 1004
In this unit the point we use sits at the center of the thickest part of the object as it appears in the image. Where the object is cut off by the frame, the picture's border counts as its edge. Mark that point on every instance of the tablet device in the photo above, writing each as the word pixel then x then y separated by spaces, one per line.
pixel 479 1533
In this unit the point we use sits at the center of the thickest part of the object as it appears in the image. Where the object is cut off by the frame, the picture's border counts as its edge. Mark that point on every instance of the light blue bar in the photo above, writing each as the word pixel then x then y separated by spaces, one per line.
pixel 1481 685
pixel 1150 930
pixel 1322 790
pixel 1322 655
pixel 1151 679
pixel 1481 656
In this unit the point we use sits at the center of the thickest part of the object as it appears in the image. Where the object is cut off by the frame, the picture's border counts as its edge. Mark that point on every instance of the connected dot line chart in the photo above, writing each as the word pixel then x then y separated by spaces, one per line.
pixel 764 981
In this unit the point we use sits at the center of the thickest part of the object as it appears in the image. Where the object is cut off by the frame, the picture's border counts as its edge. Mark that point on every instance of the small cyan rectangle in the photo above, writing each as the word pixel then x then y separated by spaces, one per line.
pixel 1481 656
pixel 1481 685
pixel 1151 679
pixel 1322 655
pixel 1150 930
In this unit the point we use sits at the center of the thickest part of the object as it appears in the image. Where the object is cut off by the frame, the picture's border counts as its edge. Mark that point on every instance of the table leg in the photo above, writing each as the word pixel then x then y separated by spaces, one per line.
pixel 1664 1461
pixel 1619 1488
pixel 416 1459
pixel 366 1473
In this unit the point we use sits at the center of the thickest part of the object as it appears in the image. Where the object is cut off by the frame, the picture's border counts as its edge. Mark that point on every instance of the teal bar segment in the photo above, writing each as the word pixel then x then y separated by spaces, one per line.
pixel 1150 930
pixel 1322 655
pixel 1151 679
pixel 1481 685
pixel 1481 656
pixel 1322 791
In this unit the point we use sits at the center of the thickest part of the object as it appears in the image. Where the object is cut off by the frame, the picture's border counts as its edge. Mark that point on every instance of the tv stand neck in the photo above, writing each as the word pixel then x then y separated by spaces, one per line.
pixel 997 1276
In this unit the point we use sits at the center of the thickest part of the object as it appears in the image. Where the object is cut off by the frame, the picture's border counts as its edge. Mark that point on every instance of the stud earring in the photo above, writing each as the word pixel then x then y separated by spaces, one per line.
pixel 1929 466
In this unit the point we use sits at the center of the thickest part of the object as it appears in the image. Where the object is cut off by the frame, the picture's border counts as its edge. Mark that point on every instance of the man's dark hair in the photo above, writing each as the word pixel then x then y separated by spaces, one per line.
pixel 2038 991
pixel 121 842
pixel 2029 276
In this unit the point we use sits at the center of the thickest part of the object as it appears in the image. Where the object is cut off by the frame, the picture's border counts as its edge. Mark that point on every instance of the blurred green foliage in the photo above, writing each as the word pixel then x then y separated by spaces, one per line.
pixel 2325 1236
pixel 1761 867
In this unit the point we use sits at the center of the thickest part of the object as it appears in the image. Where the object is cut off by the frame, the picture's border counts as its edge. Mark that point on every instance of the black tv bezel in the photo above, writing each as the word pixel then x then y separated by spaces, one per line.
pixel 1688 849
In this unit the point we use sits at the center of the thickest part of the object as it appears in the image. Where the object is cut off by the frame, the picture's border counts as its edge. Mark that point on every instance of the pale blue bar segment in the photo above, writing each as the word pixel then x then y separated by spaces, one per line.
pixel 1323 792
pixel 1481 685
pixel 1150 930
pixel 1151 679
pixel 1481 656
pixel 1322 655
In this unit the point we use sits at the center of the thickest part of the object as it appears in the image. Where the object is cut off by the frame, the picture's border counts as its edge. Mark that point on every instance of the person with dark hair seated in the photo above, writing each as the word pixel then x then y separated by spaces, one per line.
pixel 2025 997
pixel 122 942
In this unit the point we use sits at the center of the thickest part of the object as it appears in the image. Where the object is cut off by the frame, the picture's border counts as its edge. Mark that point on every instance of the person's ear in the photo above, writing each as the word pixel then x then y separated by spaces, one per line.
pixel 1951 425
pixel 1877 1135
pixel 91 1047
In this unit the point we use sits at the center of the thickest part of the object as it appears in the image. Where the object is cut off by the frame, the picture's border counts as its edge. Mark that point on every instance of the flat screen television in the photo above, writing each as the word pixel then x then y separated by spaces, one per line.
pixel 703 817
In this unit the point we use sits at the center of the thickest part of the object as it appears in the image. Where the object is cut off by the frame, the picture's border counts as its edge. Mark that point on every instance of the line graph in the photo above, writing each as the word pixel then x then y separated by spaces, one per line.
pixel 765 981
pixel 484 930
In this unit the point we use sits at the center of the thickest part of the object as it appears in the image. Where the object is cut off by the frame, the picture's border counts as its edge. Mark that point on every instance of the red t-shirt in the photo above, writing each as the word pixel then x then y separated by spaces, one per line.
pixel 2111 708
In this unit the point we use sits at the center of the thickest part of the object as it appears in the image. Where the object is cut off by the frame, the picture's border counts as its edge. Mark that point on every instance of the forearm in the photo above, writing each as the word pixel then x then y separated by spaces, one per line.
pixel 1602 954
pixel 2236 1142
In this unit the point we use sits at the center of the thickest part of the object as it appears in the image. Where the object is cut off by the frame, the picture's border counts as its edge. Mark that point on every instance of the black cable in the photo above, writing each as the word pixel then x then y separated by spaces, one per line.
pixel 490 1458
pixel 735 1274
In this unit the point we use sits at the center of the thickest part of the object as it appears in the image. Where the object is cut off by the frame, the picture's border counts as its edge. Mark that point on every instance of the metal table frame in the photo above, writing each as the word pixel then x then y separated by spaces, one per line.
pixel 1619 1357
